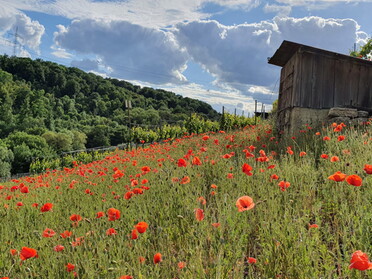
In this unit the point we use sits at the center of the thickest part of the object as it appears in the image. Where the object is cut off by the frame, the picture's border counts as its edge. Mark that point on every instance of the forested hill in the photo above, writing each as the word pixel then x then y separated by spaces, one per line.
pixel 46 108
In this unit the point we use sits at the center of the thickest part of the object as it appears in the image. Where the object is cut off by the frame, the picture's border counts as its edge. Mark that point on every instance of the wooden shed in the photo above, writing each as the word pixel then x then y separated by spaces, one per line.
pixel 316 80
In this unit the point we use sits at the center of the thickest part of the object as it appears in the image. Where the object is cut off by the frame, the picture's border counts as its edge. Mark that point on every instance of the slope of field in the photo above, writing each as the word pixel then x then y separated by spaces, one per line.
pixel 221 205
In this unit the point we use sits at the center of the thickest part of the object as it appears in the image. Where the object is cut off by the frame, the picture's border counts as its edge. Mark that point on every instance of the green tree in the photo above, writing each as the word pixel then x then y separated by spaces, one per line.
pixel 365 51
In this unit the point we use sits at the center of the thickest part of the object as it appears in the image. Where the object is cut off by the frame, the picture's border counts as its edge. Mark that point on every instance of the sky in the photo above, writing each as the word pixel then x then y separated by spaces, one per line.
pixel 212 50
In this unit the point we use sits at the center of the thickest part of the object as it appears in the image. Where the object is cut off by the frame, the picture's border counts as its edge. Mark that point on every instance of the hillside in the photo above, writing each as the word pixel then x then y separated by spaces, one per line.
pixel 46 108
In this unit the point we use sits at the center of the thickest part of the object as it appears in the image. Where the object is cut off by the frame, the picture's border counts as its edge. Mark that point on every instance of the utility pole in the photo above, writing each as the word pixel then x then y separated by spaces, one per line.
pixel 15 42
pixel 128 106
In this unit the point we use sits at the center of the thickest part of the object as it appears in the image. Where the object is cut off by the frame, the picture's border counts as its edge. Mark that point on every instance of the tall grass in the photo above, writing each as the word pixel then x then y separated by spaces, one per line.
pixel 275 232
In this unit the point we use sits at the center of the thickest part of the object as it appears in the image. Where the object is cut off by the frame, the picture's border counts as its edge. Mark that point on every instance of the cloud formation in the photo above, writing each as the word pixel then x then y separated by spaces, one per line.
pixel 130 50
pixel 29 32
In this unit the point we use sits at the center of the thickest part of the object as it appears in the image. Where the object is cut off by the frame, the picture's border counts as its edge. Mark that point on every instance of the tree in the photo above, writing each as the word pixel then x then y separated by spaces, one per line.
pixel 365 51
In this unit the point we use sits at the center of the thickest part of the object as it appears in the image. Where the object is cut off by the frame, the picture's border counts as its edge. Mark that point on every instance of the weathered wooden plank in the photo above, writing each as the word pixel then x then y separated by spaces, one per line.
pixel 303 98
pixel 342 92
pixel 323 82
pixel 364 98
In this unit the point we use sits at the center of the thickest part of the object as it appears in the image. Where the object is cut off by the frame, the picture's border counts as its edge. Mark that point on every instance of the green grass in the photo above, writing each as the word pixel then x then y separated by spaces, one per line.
pixel 275 231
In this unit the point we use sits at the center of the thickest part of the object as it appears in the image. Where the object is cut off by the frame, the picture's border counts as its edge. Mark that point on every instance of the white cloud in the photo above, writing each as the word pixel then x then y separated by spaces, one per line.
pixel 279 10
pixel 29 32
pixel 131 51
pixel 239 57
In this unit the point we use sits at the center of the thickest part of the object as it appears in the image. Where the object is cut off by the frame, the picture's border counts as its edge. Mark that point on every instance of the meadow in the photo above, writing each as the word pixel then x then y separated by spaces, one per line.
pixel 232 204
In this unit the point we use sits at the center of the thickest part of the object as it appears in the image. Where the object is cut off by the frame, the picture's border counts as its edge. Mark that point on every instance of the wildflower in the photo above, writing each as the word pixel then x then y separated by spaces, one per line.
pixel 182 163
pixel 354 180
pixel 199 214
pixel 216 225
pixel 340 138
pixel 244 203
pixel 312 226
pixel 48 233
pixel 157 258
pixel 113 214
pixel 185 180
pixel 324 156
pixel 65 234
pixel 58 248
pixel 302 153
pixel 247 169
pixel 335 159
pixel 181 265
pixel 196 161
pixel 284 185
pixel 134 234
pixel 274 177
pixel 46 207
pixel 100 214
pixel 359 260
pixel 368 169
pixel 337 176
pixel 141 227
pixel 70 267
pixel 251 260
pixel 13 252
pixel 111 231
pixel 27 253
pixel 326 138
pixel 75 218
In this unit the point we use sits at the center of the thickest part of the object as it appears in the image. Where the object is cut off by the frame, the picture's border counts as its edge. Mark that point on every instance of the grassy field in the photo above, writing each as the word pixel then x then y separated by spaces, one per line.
pixel 241 204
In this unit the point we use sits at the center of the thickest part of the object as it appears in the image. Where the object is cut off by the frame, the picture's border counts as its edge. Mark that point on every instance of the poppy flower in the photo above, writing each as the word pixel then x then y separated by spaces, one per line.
pixel 27 253
pixel 111 231
pixel 216 225
pixel 24 190
pixel 157 258
pixel 251 260
pixel 75 218
pixel 326 138
pixel 274 177
pixel 368 169
pixel 185 180
pixel 48 233
pixel 214 186
pixel 284 185
pixel 312 226
pixel 335 159
pixel 181 265
pixel 302 153
pixel 337 176
pixel 247 169
pixel 134 234
pixel 13 252
pixel 244 203
pixel 230 175
pixel 324 156
pixel 70 267
pixel 182 163
pixel 113 214
pixel 100 214
pixel 58 248
pixel 340 138
pixel 46 207
pixel 196 161
pixel 65 234
pixel 126 277
pixel 141 227
pixel 146 169
pixel 205 137
pixel 359 260
pixel 354 180
pixel 202 200
pixel 199 214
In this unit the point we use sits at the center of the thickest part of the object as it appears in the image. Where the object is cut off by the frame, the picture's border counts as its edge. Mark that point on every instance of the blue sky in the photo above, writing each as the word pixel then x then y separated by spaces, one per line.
pixel 212 50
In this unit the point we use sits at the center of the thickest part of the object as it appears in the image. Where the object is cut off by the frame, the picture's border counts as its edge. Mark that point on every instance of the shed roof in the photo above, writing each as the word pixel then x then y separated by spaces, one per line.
pixel 287 49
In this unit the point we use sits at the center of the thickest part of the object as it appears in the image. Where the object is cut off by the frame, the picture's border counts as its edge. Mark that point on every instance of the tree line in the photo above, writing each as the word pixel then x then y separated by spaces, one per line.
pixel 47 109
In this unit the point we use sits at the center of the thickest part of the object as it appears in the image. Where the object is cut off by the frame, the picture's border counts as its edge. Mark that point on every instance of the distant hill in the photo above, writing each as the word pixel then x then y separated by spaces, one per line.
pixel 46 108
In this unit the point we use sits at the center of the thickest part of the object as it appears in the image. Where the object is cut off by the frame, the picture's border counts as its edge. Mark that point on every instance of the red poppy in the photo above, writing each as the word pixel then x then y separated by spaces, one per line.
pixel 202 200
pixel 326 138
pixel 196 161
pixel 216 225
pixel 134 234
pixel 24 190
pixel 182 163
pixel 199 214
pixel 359 260
pixel 214 186
pixel 354 180
pixel 274 177
pixel 141 227
pixel 75 218
pixel 337 176
pixel 66 234
pixel 324 156
pixel 27 253
pixel 302 153
pixel 205 137
pixel 146 169
pixel 157 258
pixel 312 226
pixel 244 203
pixel 70 267
pixel 48 233
pixel 126 277
pixel 113 214
pixel 111 231
pixel 368 169
pixel 46 207
pixel 58 248
pixel 340 138
pixel 181 265
pixel 185 180
pixel 100 214
pixel 251 260
pixel 284 185
pixel 247 169
pixel 335 159
pixel 13 252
